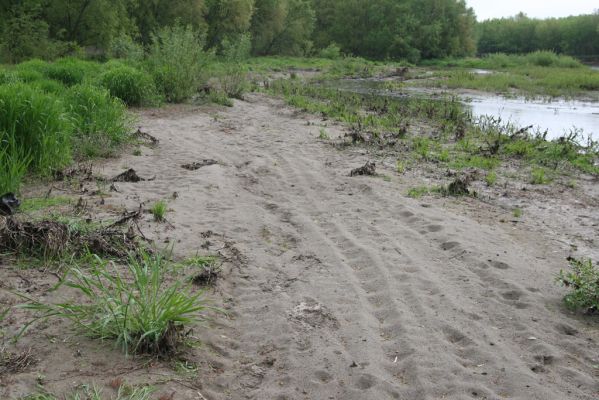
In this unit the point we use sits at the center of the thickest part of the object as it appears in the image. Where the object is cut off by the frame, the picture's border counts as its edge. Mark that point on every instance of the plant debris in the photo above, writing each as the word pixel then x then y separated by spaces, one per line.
pixel 128 176
pixel 53 238
pixel 197 165
pixel 459 187
pixel 144 135
pixel 9 204
pixel 208 276
pixel 367 169
pixel 12 363
pixel 83 171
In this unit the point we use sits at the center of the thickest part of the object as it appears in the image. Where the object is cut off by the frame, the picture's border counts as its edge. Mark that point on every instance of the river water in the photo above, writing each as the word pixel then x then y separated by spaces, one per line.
pixel 557 117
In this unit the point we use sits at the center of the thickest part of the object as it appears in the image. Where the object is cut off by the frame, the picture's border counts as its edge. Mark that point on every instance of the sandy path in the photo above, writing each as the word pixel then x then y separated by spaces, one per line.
pixel 350 290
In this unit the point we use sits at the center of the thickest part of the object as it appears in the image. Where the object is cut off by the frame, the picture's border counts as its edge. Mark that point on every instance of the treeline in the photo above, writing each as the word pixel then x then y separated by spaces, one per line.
pixel 576 36
pixel 377 29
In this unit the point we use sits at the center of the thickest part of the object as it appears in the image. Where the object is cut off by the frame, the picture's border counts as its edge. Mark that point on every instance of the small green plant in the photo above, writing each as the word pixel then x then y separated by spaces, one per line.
pixel 135 308
pixel 92 392
pixel 137 152
pixel 539 177
pixel 400 166
pixel 491 178
pixel 583 282
pixel 159 210
pixel 323 134
pixel 517 212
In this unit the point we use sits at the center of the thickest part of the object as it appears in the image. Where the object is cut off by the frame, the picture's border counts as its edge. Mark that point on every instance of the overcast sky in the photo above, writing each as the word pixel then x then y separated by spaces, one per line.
pixel 486 9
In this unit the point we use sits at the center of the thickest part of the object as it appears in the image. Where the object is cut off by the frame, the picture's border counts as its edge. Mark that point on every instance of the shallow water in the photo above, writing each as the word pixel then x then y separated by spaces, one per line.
pixel 558 117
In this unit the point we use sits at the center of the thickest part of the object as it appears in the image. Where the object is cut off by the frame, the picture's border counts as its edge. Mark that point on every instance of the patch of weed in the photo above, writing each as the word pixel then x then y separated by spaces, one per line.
pixel 136 309
pixel 159 210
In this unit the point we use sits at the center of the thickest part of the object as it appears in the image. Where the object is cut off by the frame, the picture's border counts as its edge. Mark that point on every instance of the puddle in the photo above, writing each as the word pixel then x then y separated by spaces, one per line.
pixel 558 117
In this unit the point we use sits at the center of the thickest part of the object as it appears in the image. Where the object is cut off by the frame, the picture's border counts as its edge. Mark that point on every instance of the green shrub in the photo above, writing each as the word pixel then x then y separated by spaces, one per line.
pixel 332 52
pixel 583 281
pixel 36 126
pixel 135 308
pixel 175 60
pixel 70 71
pixel 124 47
pixel 131 85
pixel 48 86
pixel 101 122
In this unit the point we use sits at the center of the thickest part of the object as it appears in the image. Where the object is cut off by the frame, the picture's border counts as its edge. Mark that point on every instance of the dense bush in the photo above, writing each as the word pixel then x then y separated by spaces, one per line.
pixel 134 87
pixel 175 60
pixel 35 133
pixel 100 121
pixel 332 52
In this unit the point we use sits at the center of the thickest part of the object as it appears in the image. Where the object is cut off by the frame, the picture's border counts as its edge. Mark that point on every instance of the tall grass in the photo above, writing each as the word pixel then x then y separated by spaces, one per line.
pixel 101 122
pixel 35 131
pixel 136 309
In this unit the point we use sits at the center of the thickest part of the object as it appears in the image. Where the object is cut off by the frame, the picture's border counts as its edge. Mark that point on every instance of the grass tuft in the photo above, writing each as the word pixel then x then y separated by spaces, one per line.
pixel 136 308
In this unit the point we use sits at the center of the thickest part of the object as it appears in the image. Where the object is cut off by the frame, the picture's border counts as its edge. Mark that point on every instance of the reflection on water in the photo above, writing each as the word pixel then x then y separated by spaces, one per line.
pixel 558 117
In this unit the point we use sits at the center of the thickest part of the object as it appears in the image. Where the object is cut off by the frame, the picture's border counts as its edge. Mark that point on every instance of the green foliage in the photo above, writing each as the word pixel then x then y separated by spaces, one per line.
pixel 135 308
pixel 539 177
pixel 132 86
pixel 158 210
pixel 175 60
pixel 583 282
pixel 575 35
pixel 101 122
pixel 491 178
pixel 35 128
pixel 124 47
pixel 332 52
pixel 323 134
pixel 517 212
pixel 41 203
pixel 69 71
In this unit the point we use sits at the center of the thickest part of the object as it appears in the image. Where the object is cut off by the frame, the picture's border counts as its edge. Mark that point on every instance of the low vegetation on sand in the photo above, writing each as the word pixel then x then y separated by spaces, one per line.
pixel 137 309
pixel 583 282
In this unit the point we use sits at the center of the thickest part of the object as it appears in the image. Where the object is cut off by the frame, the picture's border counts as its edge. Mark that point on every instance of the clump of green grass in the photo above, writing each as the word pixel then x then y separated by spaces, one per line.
pixel 101 122
pixel 491 178
pixel 517 212
pixel 539 177
pixel 159 210
pixel 70 71
pixel 583 282
pixel 136 309
pixel 323 134
pixel 132 86
pixel 35 131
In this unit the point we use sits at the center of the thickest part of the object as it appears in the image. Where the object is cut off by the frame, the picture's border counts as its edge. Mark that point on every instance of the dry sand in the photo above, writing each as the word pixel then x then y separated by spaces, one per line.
pixel 337 287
